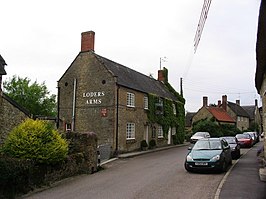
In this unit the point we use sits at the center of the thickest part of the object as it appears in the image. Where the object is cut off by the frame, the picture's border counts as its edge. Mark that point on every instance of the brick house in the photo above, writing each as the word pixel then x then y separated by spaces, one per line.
pixel 112 100
pixel 11 113
pixel 217 113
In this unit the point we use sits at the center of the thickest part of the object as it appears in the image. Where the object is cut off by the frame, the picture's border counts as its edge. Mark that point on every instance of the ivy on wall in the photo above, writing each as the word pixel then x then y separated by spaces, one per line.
pixel 164 115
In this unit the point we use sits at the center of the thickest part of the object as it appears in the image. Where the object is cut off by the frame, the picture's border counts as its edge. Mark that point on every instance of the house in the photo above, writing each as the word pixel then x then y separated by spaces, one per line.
pixel 217 113
pixel 237 113
pixel 122 106
pixel 254 115
pixel 189 117
pixel 11 113
pixel 260 76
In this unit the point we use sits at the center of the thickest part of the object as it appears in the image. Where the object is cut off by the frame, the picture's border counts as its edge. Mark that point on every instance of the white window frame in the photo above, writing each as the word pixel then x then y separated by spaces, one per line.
pixel 68 127
pixel 160 131
pixel 174 109
pixel 130 131
pixel 146 102
pixel 130 99
pixel 173 130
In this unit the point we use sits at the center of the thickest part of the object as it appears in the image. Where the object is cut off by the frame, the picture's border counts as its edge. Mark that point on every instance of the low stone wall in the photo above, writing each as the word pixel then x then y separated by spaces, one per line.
pixel 21 176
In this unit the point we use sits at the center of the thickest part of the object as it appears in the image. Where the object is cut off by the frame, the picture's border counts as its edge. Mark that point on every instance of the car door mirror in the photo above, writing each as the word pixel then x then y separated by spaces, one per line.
pixel 226 147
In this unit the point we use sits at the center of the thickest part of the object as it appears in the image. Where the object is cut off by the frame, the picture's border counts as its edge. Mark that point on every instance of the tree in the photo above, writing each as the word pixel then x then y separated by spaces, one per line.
pixel 34 97
pixel 208 125
pixel 215 129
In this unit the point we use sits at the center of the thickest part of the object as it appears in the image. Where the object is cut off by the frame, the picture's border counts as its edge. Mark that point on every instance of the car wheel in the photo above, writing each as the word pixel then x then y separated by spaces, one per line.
pixel 238 154
pixel 224 166
pixel 187 168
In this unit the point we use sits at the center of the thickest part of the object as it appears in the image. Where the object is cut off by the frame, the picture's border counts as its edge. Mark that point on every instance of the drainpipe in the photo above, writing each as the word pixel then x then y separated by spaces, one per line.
pixel 58 107
pixel 117 109
pixel 74 105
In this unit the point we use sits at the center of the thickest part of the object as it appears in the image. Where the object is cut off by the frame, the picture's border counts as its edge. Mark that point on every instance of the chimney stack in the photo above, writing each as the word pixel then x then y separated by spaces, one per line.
pixel 238 102
pixel 224 102
pixel 160 75
pixel 163 75
pixel 205 101
pixel 87 41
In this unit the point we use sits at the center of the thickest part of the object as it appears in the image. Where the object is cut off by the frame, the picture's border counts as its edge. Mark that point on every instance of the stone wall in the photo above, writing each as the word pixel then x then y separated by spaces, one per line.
pixel 20 176
pixel 94 98
pixel 201 114
pixel 10 116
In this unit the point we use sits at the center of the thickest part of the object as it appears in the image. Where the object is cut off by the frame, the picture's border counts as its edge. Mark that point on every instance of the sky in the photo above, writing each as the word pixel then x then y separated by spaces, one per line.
pixel 40 39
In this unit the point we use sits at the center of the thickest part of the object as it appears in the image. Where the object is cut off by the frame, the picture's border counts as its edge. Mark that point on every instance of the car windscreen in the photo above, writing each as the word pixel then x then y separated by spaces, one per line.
pixel 207 145
pixel 243 136
pixel 231 140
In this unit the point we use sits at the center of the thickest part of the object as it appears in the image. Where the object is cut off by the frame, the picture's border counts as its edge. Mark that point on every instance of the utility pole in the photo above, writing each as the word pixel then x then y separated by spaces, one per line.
pixel 181 86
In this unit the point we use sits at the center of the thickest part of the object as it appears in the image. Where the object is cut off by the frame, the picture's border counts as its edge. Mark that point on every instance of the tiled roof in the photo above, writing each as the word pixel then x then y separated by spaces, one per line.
pixel 134 80
pixel 2 66
pixel 189 117
pixel 239 111
pixel 250 110
pixel 220 114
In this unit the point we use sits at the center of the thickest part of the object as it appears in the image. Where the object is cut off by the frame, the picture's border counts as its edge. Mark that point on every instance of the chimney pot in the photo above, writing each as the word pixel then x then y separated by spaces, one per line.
pixel 87 41
pixel 219 103
pixel 205 101
pixel 238 102
pixel 256 102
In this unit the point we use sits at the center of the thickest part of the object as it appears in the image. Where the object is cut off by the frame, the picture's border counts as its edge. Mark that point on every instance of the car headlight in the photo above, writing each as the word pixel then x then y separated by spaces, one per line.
pixel 216 158
pixel 189 158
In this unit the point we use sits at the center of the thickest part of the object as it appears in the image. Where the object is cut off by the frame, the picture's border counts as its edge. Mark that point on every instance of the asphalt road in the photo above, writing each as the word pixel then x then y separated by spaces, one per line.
pixel 154 175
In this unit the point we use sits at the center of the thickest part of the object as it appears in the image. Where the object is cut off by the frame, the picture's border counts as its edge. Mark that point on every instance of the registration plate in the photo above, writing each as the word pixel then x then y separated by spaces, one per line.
pixel 201 163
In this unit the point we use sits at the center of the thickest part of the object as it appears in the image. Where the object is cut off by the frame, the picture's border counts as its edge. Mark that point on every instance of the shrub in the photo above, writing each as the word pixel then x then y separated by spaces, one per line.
pixel 143 144
pixel 36 140
pixel 152 143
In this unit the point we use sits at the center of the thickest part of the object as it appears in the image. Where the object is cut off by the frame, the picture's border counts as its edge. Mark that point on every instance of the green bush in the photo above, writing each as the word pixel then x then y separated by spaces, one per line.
pixel 152 143
pixel 36 140
pixel 143 144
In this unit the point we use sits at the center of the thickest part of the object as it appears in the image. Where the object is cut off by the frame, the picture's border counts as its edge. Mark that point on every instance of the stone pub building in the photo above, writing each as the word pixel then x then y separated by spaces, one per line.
pixel 117 103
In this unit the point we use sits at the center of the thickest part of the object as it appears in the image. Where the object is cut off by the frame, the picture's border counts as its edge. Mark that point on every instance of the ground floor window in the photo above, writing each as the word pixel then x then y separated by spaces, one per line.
pixel 130 131
pixel 160 132
pixel 68 127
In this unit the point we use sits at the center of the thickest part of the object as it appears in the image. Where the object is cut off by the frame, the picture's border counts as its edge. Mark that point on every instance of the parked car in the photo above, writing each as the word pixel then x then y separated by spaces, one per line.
pixel 209 154
pixel 199 135
pixel 234 145
pixel 244 140
pixel 253 136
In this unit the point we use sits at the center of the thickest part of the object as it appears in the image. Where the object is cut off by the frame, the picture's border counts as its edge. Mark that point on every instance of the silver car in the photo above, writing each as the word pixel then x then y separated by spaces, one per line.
pixel 199 135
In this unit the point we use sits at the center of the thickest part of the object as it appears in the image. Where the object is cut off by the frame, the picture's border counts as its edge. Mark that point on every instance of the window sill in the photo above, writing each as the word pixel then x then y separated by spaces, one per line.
pixel 131 141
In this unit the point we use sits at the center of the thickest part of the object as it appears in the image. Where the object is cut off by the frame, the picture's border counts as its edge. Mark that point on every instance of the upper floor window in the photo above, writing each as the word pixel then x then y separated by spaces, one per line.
pixel 160 132
pixel 131 99
pixel 173 130
pixel 130 131
pixel 146 102
pixel 174 109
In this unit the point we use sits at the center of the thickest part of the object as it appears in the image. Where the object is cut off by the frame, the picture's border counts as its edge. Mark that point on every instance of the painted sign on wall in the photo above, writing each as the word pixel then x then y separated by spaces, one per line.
pixel 94 98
